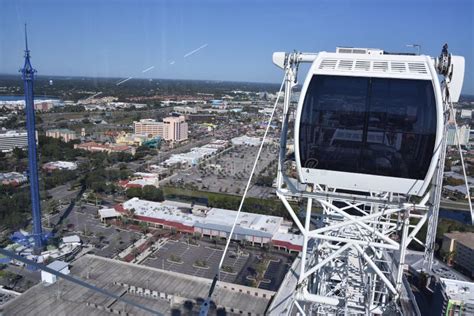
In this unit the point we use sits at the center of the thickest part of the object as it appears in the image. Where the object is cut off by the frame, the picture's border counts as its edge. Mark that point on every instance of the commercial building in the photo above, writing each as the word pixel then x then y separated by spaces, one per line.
pixel 190 158
pixel 108 148
pixel 165 292
pixel 256 229
pixel 44 106
pixel 60 165
pixel 140 179
pixel 65 134
pixel 13 178
pixel 462 244
pixel 246 140
pixel 108 213
pixel 186 109
pixel 13 139
pixel 39 104
pixel 148 127
pixel 131 139
pixel 58 266
pixel 174 129
pixel 464 133
pixel 453 298
pixel 197 154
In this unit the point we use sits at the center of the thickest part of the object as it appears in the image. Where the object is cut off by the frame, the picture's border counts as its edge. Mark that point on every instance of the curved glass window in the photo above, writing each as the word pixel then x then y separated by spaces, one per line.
pixel 379 126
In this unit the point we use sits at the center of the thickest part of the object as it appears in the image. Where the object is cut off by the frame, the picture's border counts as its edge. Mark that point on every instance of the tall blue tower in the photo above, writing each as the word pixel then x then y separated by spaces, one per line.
pixel 28 74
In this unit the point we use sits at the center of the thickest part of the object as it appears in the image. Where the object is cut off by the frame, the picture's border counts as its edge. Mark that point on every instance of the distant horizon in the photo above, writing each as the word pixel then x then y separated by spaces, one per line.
pixel 171 79
pixel 137 78
pixel 229 41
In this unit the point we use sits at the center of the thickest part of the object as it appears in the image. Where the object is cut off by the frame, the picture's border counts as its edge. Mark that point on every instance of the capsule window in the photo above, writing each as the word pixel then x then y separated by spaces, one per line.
pixel 377 126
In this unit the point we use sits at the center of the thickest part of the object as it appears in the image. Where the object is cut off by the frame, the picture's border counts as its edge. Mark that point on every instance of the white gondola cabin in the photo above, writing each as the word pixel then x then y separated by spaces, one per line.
pixel 369 121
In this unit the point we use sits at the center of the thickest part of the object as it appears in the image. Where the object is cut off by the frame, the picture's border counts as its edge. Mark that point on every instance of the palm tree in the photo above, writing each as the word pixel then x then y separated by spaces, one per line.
pixel 131 213
pixel 450 257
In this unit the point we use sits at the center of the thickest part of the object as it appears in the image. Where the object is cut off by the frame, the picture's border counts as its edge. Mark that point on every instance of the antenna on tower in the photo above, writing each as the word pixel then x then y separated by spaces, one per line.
pixel 417 46
pixel 28 80
pixel 26 40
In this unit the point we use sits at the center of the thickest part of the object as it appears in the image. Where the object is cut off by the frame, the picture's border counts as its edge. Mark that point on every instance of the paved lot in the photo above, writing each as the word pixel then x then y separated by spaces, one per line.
pixel 241 265
pixel 189 255
pixel 229 172
pixel 275 272
pixel 108 241
pixel 5 297
pixel 63 193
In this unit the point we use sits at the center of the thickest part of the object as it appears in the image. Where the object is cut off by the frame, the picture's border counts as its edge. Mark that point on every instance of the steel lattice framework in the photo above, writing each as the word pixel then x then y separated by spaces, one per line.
pixel 354 246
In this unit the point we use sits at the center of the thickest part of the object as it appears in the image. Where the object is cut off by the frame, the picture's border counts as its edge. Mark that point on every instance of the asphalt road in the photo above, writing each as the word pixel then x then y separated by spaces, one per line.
pixel 62 193
pixel 454 205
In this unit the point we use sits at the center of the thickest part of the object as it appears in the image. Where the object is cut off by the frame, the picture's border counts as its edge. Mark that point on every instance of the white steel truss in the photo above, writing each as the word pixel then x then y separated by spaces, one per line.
pixel 354 245
pixel 353 253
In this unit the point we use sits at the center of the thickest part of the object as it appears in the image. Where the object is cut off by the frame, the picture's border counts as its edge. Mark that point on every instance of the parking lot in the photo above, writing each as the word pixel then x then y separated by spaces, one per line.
pixel 189 254
pixel 107 240
pixel 229 171
pixel 241 264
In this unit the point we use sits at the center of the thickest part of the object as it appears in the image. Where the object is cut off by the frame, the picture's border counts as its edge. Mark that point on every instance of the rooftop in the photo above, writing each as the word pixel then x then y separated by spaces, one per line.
pixel 70 165
pixel 58 265
pixel 66 298
pixel 465 238
pixel 61 130
pixel 214 217
pixel 13 133
pixel 459 290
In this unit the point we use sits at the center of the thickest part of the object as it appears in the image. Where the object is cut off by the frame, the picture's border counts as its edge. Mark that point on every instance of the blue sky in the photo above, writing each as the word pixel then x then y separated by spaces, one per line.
pixel 123 38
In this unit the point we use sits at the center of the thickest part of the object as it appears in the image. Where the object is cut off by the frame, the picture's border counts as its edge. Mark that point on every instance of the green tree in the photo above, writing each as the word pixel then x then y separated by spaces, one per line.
pixel 18 153
pixel 144 227
pixel 134 192
pixel 151 193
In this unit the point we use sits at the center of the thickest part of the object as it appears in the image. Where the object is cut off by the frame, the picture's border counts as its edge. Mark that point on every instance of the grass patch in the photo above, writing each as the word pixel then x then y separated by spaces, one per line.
pixel 228 201
pixel 175 258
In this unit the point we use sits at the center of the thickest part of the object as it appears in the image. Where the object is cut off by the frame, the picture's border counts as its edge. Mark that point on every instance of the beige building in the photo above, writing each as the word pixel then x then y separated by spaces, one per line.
pixel 462 243
pixel 65 134
pixel 149 127
pixel 174 129
pixel 108 148
pixel 130 139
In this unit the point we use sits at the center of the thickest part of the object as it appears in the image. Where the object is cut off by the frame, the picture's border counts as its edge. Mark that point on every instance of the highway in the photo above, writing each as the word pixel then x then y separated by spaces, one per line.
pixel 455 205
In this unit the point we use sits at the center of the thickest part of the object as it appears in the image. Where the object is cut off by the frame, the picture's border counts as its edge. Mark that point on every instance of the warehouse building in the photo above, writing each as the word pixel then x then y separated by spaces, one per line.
pixel 13 139
pixel 462 244
pixel 257 229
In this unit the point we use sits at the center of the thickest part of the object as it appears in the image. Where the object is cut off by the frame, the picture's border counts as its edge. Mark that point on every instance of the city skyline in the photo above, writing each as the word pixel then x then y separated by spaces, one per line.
pixel 218 41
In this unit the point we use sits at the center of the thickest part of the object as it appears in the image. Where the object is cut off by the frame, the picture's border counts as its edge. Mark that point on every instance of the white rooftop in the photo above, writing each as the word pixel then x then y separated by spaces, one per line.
pixel 181 212
pixel 108 213
pixel 62 165
pixel 459 290
pixel 58 265
pixel 72 239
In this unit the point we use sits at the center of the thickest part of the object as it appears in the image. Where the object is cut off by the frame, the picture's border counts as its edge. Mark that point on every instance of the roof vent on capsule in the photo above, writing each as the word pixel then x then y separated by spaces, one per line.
pixel 365 51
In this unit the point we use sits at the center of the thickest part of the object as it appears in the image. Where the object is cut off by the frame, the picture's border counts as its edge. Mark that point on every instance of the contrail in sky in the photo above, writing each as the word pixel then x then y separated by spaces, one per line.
pixel 125 80
pixel 171 63
pixel 148 69
pixel 195 51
